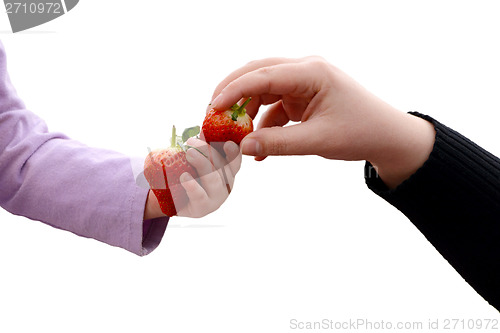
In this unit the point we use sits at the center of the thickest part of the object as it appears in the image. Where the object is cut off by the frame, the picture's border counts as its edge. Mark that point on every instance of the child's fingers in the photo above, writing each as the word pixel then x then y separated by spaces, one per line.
pixel 210 178
pixel 233 158
pixel 208 151
pixel 219 171
pixel 200 145
pixel 195 192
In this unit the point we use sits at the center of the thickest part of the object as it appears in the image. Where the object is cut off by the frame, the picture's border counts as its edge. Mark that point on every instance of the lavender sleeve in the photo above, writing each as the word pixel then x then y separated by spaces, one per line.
pixel 51 178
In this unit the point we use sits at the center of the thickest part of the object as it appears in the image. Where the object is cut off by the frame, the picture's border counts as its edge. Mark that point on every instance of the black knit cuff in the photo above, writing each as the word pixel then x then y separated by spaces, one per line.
pixel 454 200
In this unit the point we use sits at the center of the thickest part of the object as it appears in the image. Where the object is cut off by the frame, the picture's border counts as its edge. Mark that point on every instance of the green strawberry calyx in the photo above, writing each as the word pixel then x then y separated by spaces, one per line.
pixel 173 139
pixel 177 141
pixel 239 111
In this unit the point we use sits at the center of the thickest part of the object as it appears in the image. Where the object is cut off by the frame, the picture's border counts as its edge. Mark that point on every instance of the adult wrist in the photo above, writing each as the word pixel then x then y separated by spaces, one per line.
pixel 408 144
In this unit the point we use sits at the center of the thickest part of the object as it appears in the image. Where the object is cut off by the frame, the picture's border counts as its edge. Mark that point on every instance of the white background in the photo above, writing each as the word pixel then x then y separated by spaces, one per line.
pixel 300 237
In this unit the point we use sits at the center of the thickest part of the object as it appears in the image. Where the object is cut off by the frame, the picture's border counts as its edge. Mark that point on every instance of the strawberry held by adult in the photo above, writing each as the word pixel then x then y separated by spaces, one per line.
pixel 162 170
pixel 229 125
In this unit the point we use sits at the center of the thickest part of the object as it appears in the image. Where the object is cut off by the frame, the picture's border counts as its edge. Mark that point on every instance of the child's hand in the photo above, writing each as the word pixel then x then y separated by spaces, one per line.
pixel 170 172
pixel 211 187
pixel 339 118
pixel 215 178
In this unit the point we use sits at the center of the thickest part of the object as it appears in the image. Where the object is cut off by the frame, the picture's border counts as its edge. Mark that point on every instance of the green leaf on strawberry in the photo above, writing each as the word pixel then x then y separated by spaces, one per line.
pixel 190 132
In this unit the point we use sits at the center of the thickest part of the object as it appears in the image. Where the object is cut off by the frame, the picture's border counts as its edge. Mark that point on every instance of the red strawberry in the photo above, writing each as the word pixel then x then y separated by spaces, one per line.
pixel 230 125
pixel 162 170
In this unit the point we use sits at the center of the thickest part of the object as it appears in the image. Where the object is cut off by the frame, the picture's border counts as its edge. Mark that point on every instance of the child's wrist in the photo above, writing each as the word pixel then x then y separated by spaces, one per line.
pixel 152 208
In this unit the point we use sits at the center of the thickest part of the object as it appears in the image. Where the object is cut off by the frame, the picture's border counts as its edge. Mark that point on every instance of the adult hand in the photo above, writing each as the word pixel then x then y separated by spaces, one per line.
pixel 339 119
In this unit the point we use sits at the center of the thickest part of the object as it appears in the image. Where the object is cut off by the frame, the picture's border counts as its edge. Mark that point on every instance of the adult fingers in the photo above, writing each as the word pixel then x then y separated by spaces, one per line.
pixel 280 79
pixel 253 107
pixel 291 140
pixel 274 116
pixel 250 67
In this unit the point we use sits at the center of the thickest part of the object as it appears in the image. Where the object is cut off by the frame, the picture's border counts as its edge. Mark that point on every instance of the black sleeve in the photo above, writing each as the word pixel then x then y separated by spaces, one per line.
pixel 454 200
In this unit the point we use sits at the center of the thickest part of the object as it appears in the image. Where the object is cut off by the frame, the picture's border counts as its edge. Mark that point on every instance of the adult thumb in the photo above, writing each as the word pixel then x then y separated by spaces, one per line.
pixel 290 140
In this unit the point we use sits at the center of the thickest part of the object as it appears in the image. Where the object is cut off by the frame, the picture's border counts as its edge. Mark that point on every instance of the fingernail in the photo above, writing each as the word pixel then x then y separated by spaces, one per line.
pixel 231 148
pixel 251 147
pixel 185 177
pixel 216 101
pixel 190 141
pixel 191 155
